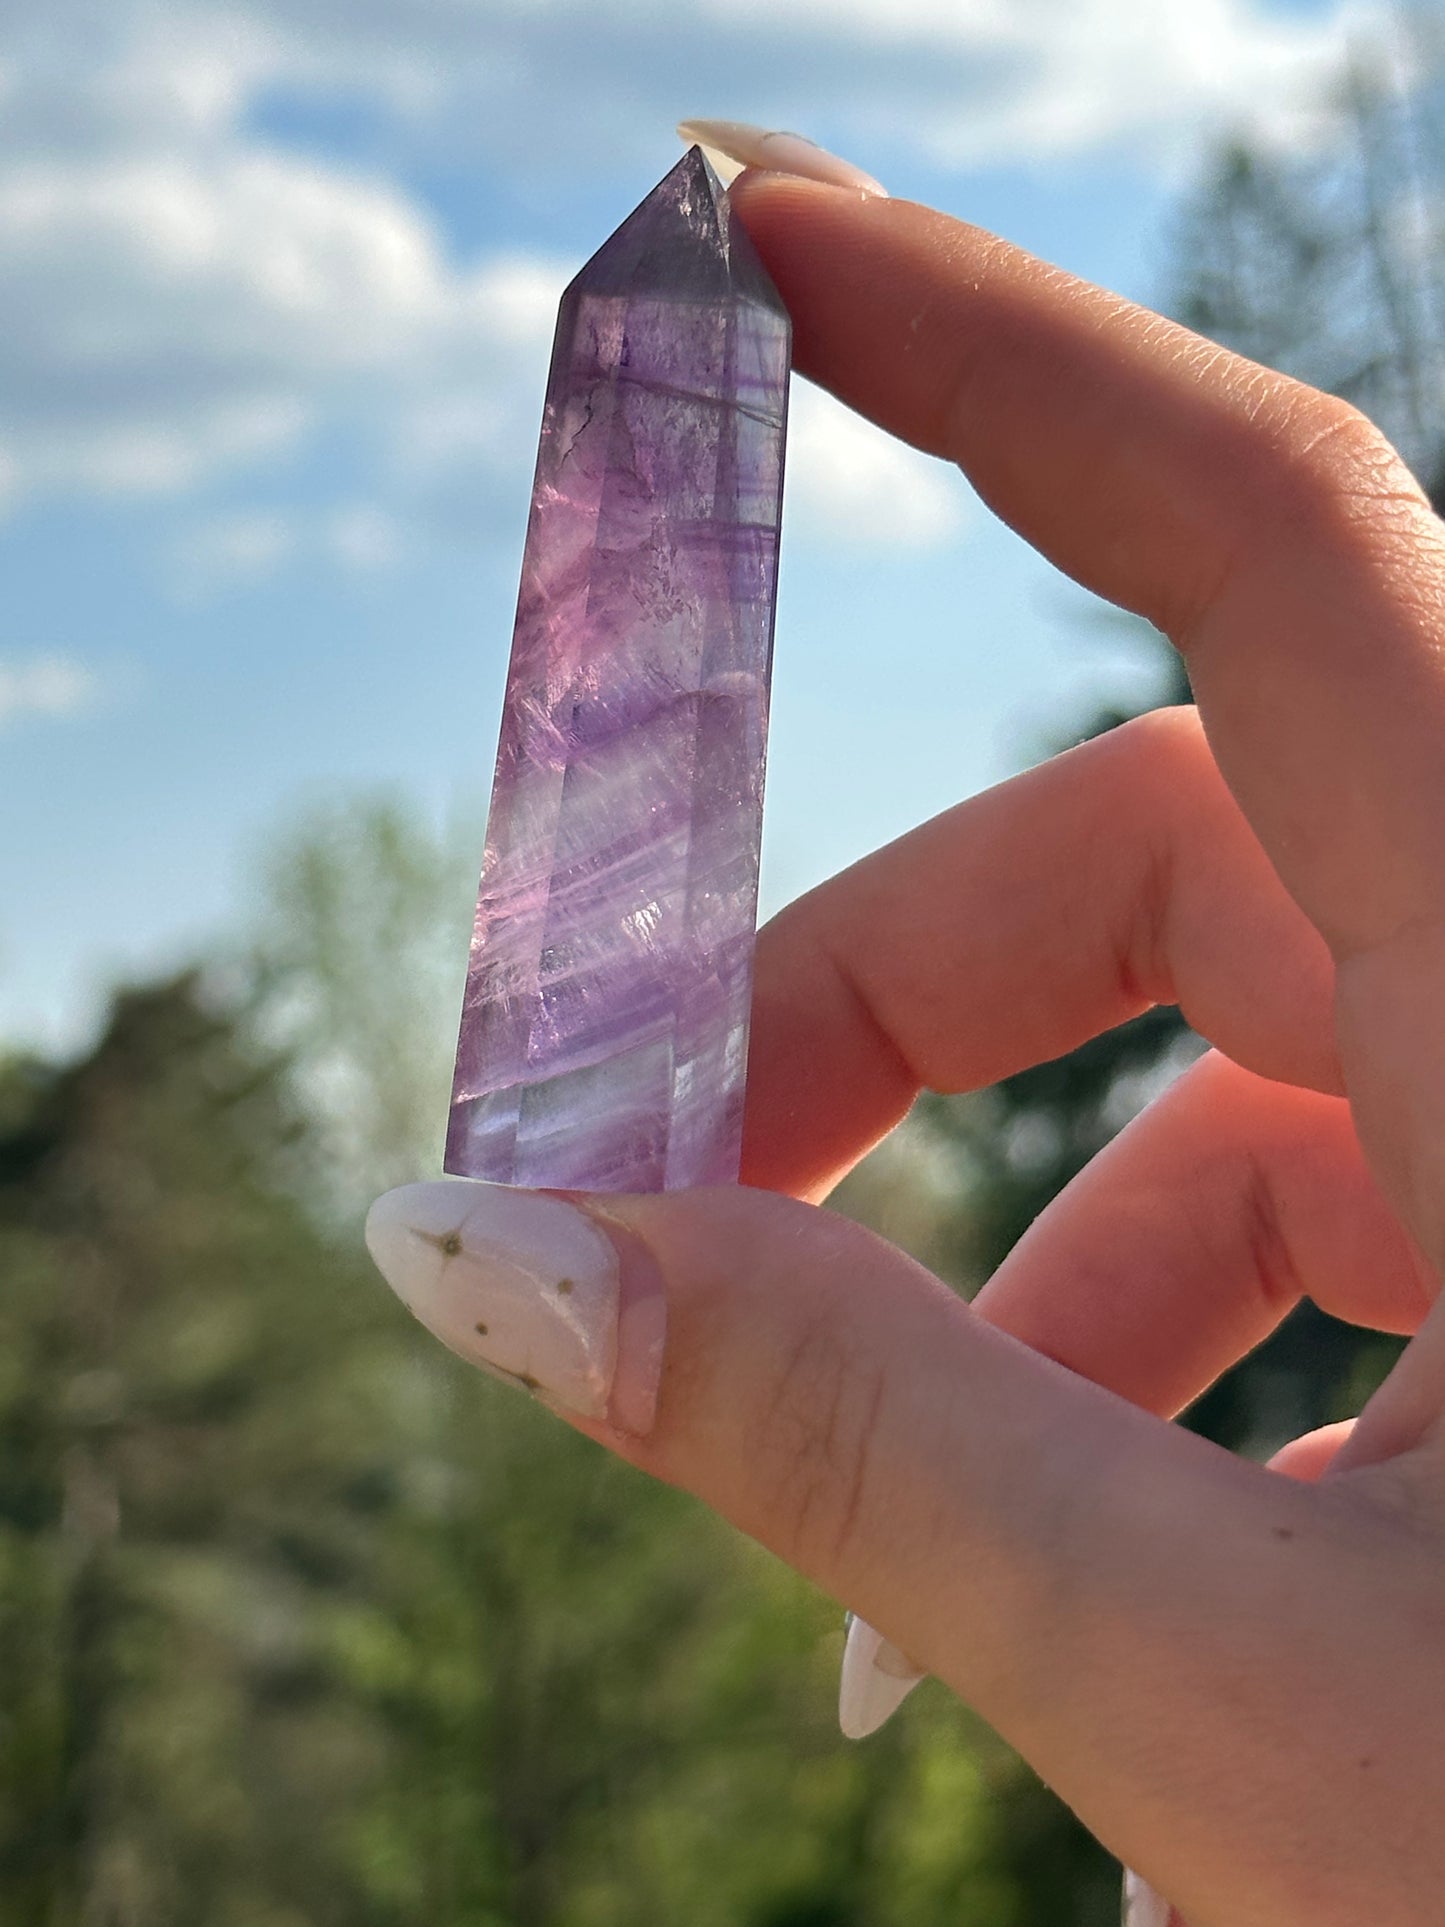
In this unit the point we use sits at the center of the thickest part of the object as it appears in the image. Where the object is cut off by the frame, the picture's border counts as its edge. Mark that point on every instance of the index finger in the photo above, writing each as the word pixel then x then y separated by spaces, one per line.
pixel 1268 529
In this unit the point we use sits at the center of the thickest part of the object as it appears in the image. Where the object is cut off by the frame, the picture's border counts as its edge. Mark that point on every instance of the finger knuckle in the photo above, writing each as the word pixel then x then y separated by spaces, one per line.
pixel 1336 470
pixel 817 1435
pixel 1310 475
pixel 1168 776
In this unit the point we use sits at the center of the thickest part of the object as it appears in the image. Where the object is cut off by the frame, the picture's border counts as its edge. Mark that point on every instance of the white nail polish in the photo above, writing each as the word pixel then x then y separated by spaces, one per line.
pixel 1142 1906
pixel 778 152
pixel 875 1681
pixel 516 1283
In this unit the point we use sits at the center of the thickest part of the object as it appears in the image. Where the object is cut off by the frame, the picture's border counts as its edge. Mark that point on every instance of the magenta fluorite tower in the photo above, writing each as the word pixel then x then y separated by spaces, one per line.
pixel 604 1028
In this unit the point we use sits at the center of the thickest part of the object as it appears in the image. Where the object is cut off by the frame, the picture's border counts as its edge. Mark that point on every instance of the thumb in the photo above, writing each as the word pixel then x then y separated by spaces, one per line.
pixel 806 1379
pixel 1071 1565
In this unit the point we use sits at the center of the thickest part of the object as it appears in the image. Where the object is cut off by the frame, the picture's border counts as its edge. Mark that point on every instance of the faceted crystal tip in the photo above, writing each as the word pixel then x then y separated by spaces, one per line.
pixel 682 240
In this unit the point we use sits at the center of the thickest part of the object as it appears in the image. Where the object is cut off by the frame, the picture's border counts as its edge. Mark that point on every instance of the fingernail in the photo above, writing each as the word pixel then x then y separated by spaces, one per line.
pixel 876 1679
pixel 778 152
pixel 1142 1906
pixel 530 1288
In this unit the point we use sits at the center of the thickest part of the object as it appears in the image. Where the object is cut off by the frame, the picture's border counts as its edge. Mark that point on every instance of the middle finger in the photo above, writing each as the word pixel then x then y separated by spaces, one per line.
pixel 1017 926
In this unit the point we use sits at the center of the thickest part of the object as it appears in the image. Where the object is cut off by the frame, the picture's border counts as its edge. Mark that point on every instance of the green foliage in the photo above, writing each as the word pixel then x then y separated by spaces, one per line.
pixel 306 1626
pixel 358 974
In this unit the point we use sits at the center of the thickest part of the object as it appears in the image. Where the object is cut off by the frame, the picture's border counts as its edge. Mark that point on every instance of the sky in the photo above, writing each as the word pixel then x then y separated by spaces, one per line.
pixel 277 283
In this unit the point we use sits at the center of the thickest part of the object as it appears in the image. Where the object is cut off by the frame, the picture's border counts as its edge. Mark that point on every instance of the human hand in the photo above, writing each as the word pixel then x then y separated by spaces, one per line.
pixel 1235 1677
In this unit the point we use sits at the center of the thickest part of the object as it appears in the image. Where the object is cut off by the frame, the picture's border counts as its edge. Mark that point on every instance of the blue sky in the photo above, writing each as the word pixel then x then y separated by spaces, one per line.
pixel 277 280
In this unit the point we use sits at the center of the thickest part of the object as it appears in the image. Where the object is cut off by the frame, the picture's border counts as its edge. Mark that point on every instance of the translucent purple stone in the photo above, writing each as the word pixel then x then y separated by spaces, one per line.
pixel 604 1028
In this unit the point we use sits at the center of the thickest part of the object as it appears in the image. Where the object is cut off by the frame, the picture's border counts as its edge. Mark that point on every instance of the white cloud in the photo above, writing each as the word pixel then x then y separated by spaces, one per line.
pixel 249 548
pixel 1011 80
pixel 1110 74
pixel 850 483
pixel 518 293
pixel 961 81
pixel 171 317
pixel 473 397
pixel 231 551
pixel 364 538
pixel 184 297
pixel 47 685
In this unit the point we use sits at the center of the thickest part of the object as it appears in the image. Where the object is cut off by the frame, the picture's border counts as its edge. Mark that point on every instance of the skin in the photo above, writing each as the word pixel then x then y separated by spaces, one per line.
pixel 1236 1677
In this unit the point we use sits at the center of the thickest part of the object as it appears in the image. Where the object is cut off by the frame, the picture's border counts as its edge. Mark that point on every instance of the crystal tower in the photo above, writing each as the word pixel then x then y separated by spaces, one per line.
pixel 604 1026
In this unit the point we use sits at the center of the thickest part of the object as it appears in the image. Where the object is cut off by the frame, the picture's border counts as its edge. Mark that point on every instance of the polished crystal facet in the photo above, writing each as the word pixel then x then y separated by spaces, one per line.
pixel 604 1028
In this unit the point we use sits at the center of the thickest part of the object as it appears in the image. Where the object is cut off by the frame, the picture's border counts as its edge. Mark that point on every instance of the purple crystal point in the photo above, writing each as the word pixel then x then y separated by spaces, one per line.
pixel 604 1027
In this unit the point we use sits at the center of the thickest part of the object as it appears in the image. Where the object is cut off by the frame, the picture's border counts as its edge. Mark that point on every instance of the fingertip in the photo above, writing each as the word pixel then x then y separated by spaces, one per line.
pixel 796 223
pixel 521 1284
pixel 739 144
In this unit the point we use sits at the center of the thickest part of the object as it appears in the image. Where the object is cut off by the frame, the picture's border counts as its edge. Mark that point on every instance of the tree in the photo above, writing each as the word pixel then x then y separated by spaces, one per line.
pixel 168 1514
pixel 1329 266
pixel 357 974
pixel 305 1625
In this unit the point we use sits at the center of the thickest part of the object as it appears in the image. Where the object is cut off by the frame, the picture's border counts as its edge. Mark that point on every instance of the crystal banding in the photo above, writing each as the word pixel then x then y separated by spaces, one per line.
pixel 604 1025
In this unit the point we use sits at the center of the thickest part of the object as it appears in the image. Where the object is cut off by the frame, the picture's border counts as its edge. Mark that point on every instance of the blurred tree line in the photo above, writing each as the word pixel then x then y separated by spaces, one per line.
pixel 303 1625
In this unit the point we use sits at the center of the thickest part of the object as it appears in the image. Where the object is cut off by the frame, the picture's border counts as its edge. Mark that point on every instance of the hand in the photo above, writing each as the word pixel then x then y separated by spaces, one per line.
pixel 1236 1678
